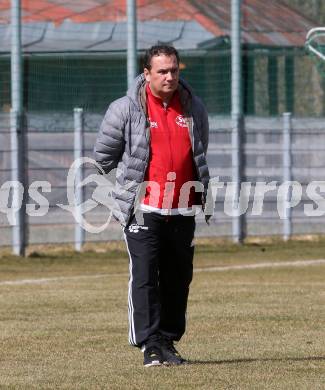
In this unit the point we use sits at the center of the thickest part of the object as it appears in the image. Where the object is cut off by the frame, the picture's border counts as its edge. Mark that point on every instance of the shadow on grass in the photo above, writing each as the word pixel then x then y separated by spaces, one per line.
pixel 256 360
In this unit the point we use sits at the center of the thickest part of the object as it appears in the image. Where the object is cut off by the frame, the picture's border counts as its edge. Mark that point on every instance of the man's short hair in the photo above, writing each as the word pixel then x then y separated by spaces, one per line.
pixel 157 51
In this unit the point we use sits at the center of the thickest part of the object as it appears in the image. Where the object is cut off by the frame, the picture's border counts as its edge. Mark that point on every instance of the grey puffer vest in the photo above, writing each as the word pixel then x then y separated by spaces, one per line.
pixel 123 142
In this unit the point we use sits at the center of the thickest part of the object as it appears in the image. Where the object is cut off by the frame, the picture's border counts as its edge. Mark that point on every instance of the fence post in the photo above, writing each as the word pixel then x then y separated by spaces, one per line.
pixel 16 134
pixel 17 153
pixel 16 58
pixel 131 41
pixel 287 127
pixel 237 135
pixel 236 116
pixel 79 233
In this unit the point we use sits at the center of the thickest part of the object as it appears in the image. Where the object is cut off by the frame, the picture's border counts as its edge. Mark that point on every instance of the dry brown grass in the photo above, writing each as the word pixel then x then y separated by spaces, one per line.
pixel 247 329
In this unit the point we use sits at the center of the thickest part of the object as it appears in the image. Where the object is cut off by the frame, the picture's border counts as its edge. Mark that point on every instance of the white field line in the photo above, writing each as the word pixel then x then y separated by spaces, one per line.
pixel 55 279
pixel 300 263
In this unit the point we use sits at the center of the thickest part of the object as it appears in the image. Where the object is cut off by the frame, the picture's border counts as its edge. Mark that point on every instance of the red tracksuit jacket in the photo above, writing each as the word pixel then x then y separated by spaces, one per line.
pixel 171 156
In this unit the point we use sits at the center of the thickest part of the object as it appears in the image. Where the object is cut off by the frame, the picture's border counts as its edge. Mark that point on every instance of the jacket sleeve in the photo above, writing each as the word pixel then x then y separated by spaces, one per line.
pixel 204 122
pixel 205 128
pixel 110 141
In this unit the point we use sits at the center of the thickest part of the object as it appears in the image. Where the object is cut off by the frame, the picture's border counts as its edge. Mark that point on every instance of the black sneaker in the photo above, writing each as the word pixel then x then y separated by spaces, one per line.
pixel 152 356
pixel 169 353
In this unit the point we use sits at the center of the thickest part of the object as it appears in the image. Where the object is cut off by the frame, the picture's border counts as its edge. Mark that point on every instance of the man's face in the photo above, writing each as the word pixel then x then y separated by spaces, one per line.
pixel 163 75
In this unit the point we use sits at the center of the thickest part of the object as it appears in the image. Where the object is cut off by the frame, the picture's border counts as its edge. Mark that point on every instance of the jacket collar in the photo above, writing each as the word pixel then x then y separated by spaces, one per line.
pixel 137 92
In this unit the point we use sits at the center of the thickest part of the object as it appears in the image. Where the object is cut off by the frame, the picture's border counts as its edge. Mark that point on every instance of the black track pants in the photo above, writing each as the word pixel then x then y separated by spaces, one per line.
pixel 161 270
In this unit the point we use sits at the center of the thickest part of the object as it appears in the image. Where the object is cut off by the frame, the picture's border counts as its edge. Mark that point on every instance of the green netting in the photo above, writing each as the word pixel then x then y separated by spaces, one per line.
pixel 61 82
pixel 273 81
pixel 57 76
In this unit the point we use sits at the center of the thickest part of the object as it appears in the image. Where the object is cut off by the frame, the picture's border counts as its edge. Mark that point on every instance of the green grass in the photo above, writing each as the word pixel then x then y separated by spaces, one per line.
pixel 247 328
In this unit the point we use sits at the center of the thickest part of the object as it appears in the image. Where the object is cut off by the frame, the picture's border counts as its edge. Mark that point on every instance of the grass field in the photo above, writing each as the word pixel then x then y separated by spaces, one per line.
pixel 64 321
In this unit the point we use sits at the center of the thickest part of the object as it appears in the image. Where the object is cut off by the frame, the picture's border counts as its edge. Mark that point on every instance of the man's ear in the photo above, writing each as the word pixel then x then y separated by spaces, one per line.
pixel 146 74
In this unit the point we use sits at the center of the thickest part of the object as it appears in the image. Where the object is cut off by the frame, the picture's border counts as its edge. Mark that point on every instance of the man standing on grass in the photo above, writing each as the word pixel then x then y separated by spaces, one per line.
pixel 157 134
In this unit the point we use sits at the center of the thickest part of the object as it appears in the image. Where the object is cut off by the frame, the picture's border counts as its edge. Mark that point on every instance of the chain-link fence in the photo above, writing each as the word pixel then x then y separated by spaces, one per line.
pixel 74 54
pixel 280 165
pixel 50 152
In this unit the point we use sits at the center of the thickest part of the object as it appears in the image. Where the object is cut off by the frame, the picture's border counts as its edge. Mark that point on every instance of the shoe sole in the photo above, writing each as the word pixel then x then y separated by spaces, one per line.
pixel 153 364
